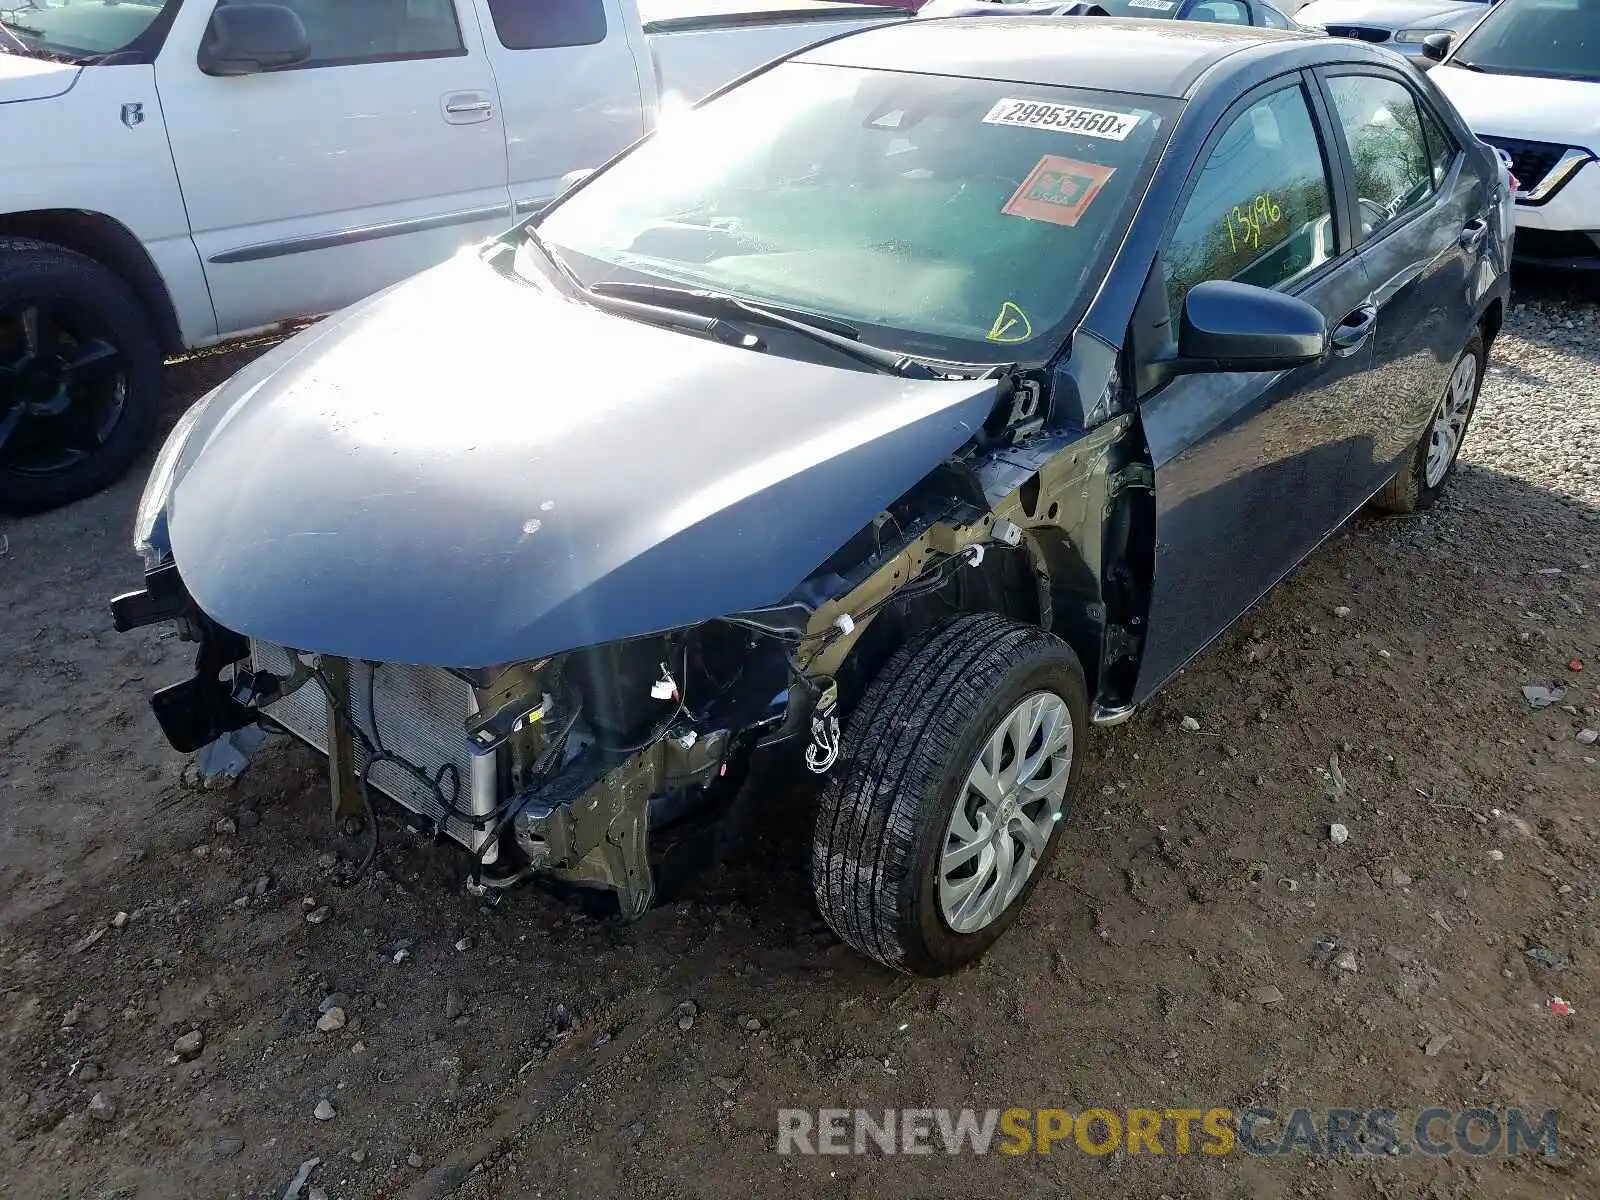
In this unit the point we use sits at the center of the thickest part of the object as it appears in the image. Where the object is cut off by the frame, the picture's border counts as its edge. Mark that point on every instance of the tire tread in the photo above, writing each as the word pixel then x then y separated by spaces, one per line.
pixel 897 744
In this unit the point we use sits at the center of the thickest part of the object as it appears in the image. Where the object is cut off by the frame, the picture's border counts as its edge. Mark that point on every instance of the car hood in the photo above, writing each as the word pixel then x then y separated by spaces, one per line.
pixel 1384 14
pixel 23 78
pixel 467 470
pixel 1523 106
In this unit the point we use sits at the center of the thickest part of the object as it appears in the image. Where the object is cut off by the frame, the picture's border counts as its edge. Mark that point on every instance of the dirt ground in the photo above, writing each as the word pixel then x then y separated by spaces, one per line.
pixel 1188 950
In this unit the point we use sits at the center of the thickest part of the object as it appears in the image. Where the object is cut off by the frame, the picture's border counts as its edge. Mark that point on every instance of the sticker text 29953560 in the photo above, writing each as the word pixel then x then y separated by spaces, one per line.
pixel 1063 118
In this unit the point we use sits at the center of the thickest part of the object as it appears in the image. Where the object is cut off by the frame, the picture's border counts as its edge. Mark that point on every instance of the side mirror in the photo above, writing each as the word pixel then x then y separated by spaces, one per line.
pixel 1229 326
pixel 246 39
pixel 1435 46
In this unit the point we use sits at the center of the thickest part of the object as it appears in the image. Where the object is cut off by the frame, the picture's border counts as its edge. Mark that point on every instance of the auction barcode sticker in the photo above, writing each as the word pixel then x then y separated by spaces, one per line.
pixel 1064 118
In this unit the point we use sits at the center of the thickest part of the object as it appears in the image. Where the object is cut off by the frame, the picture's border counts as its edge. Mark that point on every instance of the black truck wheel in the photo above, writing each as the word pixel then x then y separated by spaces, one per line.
pixel 80 376
pixel 1422 479
pixel 945 809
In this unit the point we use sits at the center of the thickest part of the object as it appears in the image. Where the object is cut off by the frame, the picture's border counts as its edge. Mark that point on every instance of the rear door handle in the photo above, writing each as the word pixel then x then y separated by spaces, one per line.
pixel 1473 232
pixel 467 108
pixel 1352 332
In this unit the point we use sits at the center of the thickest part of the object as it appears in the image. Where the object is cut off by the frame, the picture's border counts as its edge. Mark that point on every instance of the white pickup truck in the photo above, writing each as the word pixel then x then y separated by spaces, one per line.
pixel 174 173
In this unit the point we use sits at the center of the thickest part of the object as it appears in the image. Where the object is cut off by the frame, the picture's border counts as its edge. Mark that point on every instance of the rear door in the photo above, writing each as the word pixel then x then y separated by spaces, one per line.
pixel 312 186
pixel 1251 469
pixel 568 72
pixel 1423 222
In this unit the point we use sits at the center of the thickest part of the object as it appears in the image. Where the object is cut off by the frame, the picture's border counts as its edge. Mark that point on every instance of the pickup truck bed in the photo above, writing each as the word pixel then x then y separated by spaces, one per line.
pixel 677 16
pixel 692 49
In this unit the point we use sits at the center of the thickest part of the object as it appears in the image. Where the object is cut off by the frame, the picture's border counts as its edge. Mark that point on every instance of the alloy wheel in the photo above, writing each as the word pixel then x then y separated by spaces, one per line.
pixel 1006 813
pixel 1450 420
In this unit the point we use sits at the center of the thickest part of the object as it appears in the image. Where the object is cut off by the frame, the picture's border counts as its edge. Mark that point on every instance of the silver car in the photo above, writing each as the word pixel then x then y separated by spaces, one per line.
pixel 1402 25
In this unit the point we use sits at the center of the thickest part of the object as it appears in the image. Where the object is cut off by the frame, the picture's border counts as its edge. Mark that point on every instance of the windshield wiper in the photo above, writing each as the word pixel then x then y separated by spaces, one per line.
pixel 655 314
pixel 721 300
pixel 835 334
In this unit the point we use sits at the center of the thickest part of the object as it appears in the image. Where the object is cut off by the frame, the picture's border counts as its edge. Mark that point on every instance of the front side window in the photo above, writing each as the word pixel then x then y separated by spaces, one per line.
pixel 345 32
pixel 1382 127
pixel 1261 212
pixel 1554 39
pixel 954 218
pixel 546 24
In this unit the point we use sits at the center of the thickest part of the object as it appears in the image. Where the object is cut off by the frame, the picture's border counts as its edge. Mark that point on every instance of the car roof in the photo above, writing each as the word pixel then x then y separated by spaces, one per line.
pixel 1108 53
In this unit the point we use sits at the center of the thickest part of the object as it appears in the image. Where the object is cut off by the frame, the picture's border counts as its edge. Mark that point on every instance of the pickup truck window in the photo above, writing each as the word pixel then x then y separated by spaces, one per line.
pixel 545 24
pixel 345 32
pixel 957 218
pixel 82 28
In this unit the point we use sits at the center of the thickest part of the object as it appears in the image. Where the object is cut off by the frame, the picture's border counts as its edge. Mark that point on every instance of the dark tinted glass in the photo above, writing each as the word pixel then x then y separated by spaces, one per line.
pixel 542 24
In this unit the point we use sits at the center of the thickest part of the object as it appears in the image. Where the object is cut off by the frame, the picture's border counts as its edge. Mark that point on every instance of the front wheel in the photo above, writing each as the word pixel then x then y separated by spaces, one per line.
pixel 80 376
pixel 960 764
pixel 1422 480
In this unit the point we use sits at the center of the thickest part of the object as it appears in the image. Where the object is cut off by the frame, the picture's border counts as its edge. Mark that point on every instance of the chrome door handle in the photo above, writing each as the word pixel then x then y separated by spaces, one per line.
pixel 467 108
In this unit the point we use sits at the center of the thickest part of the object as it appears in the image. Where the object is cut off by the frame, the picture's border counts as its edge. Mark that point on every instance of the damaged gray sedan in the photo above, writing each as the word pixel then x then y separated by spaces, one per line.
pixel 897 414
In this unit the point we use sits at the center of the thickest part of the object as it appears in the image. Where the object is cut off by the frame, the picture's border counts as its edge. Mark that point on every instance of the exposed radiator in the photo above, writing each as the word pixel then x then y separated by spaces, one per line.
pixel 421 710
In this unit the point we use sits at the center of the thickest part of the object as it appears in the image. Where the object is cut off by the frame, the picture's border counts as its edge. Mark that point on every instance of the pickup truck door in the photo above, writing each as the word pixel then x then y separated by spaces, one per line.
pixel 309 187
pixel 1252 469
pixel 568 73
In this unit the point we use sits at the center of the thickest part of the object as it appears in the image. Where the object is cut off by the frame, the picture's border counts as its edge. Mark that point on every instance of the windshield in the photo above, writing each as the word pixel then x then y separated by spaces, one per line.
pixel 950 218
pixel 1556 39
pixel 80 28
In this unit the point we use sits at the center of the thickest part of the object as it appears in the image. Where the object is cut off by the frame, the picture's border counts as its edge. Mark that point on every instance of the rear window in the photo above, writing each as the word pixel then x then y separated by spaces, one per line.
pixel 956 218
pixel 1140 8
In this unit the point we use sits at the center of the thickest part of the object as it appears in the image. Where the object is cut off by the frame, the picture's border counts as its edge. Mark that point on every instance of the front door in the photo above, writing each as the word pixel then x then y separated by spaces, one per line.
pixel 1251 469
pixel 312 186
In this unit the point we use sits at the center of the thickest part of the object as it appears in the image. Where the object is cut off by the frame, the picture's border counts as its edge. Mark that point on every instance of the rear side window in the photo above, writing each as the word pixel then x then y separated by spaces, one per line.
pixel 1225 12
pixel 1382 127
pixel 1261 212
pixel 545 24
pixel 1272 18
pixel 1442 146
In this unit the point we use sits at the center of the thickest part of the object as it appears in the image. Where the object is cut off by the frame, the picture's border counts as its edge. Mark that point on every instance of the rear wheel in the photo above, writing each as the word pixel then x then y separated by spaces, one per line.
pixel 80 376
pixel 1423 478
pixel 960 763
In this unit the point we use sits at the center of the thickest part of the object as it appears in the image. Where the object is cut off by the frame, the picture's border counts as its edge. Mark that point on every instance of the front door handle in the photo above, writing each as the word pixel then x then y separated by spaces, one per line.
pixel 467 108
pixel 1352 332
pixel 1473 232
